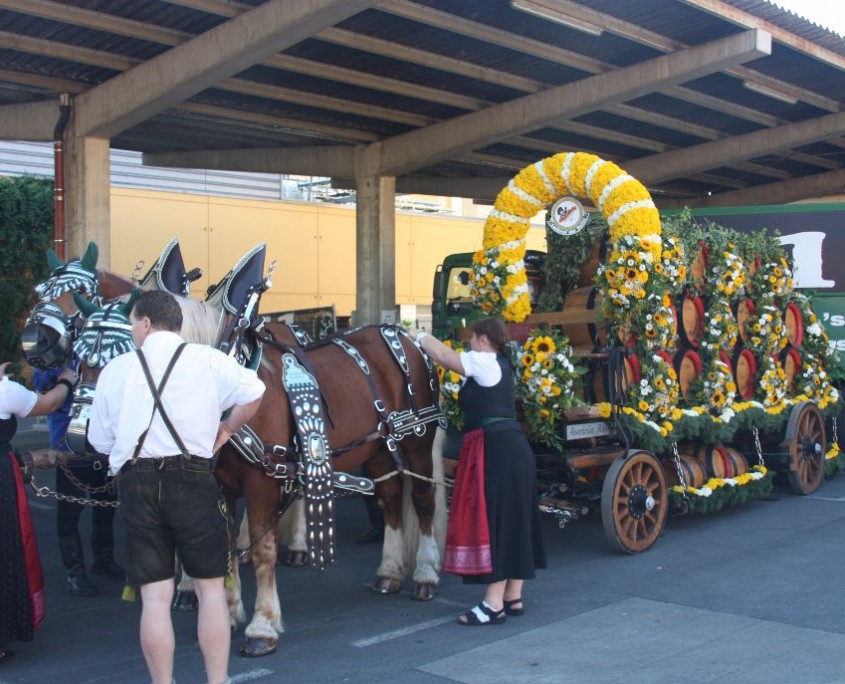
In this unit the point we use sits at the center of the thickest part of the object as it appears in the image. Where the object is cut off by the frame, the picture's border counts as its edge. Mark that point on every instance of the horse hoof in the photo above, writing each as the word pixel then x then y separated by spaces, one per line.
pixel 424 591
pixel 255 647
pixel 297 559
pixel 184 601
pixel 387 585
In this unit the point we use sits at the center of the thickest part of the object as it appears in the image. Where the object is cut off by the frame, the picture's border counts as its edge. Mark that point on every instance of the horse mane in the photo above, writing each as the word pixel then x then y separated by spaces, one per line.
pixel 201 322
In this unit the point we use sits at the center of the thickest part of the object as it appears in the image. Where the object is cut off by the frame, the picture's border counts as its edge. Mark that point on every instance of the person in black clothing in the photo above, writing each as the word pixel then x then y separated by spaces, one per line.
pixel 503 548
pixel 21 579
pixel 68 514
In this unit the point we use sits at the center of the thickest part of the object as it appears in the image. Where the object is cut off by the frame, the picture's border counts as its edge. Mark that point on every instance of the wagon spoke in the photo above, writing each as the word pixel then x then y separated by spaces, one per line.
pixel 629 484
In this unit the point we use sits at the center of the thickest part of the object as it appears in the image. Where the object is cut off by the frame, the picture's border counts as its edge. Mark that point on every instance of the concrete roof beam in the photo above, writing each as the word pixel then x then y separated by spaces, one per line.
pixel 420 148
pixel 180 73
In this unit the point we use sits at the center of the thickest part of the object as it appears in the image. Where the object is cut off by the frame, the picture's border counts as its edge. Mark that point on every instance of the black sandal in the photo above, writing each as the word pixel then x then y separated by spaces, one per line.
pixel 510 610
pixel 482 614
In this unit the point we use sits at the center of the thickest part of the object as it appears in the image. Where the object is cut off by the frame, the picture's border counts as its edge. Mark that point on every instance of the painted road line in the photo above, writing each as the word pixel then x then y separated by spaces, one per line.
pixel 399 633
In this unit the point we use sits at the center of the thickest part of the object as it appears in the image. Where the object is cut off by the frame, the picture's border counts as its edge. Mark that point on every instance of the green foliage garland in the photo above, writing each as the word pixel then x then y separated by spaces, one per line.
pixel 722 494
pixel 566 254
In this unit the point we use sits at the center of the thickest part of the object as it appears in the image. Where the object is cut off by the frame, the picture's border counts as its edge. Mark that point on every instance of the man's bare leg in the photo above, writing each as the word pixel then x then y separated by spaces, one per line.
pixel 213 628
pixel 157 639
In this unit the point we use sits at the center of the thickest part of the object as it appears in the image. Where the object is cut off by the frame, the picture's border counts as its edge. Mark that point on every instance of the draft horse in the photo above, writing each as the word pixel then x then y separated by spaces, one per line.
pixel 379 400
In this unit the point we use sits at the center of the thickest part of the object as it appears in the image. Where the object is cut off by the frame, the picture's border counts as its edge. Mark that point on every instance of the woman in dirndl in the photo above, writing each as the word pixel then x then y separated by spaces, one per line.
pixel 494 534
pixel 21 578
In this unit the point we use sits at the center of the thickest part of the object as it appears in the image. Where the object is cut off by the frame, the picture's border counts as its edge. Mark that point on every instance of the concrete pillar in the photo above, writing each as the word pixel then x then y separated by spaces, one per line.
pixel 375 252
pixel 87 199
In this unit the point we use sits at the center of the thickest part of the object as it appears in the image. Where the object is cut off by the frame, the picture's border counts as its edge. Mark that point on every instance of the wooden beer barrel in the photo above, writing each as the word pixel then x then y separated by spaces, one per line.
pixel 699 262
pixel 687 364
pixel 790 361
pixel 690 318
pixel 691 467
pixel 601 383
pixel 735 462
pixel 584 335
pixel 744 311
pixel 793 321
pixel 745 372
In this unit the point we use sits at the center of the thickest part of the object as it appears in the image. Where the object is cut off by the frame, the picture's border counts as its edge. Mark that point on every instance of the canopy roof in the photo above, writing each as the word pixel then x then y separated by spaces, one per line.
pixel 705 101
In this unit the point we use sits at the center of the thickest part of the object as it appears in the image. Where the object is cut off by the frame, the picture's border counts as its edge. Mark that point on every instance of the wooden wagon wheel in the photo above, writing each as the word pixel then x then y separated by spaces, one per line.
pixel 806 442
pixel 634 502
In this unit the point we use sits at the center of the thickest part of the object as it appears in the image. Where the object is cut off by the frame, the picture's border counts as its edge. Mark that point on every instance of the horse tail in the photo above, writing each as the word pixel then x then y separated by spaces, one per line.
pixel 410 522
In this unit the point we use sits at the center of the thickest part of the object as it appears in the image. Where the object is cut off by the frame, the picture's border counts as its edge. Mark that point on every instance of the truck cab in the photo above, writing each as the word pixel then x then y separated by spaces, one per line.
pixel 453 306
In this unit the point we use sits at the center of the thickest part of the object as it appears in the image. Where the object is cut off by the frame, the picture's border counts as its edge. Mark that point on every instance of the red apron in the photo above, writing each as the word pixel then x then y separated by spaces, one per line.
pixel 35 577
pixel 467 533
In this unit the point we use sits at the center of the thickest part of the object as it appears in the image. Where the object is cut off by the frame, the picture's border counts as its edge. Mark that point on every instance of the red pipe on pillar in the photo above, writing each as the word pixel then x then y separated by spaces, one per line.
pixel 59 173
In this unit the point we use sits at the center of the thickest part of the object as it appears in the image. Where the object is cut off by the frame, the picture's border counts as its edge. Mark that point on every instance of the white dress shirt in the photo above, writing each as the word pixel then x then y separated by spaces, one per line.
pixel 203 384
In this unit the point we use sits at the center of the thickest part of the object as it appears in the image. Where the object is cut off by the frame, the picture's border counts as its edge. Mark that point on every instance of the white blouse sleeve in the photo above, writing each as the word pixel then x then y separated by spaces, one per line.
pixel 482 367
pixel 15 399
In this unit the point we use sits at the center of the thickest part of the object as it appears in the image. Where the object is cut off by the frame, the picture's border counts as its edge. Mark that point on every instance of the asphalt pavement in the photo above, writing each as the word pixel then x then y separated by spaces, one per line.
pixel 749 594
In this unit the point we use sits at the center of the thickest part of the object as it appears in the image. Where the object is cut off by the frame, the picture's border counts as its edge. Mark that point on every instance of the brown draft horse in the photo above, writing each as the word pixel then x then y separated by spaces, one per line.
pixel 411 541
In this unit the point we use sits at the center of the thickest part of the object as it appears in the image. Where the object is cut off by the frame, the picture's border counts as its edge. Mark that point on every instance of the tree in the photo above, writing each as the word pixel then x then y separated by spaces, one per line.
pixel 26 226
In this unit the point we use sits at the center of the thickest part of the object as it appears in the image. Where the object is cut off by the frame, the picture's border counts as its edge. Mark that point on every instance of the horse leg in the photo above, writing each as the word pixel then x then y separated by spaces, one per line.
pixel 292 533
pixel 424 519
pixel 234 597
pixel 184 598
pixel 243 541
pixel 391 572
pixel 261 634
pixel 427 562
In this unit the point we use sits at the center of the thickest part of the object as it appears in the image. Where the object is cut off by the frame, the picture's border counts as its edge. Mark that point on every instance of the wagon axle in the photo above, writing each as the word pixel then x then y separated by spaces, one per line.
pixel 640 501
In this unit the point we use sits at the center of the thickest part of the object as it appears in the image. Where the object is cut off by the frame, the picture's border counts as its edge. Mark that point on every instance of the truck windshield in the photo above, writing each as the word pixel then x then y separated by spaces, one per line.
pixel 458 287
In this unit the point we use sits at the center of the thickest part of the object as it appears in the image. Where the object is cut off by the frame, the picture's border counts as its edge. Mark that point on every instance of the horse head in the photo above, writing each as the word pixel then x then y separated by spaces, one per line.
pixel 76 275
pixel 47 337
pixel 53 324
pixel 106 334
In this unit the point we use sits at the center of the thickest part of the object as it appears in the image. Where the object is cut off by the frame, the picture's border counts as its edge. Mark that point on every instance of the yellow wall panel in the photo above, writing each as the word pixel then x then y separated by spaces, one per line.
pixel 143 222
pixel 336 258
pixel 313 244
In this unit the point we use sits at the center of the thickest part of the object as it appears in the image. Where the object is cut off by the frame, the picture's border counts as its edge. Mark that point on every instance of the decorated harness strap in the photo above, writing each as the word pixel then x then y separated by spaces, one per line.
pixel 378 403
pixel 306 407
pixel 253 450
pixel 397 424
pixel 403 423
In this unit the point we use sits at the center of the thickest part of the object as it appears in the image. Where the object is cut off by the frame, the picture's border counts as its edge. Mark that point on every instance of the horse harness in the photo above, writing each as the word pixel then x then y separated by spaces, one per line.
pixel 285 462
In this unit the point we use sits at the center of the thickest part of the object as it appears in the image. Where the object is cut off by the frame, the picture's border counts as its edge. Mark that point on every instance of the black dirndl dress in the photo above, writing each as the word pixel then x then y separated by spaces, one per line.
pixel 510 480
pixel 17 621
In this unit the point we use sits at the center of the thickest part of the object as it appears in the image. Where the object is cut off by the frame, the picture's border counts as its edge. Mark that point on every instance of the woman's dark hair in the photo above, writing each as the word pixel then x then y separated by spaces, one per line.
pixel 161 308
pixel 495 330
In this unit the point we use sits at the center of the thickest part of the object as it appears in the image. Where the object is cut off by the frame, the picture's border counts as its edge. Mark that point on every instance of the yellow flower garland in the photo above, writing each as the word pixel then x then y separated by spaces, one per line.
pixel 624 202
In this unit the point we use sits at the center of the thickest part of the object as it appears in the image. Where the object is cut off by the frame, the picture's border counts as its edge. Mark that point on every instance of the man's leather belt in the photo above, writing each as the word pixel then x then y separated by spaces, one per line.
pixel 168 463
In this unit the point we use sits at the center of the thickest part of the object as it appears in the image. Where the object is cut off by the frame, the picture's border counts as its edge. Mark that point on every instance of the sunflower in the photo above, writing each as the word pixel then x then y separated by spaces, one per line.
pixel 543 345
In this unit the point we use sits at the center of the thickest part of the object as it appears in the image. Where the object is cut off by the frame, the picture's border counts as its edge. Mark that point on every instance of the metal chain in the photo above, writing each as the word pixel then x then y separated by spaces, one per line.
pixel 835 430
pixel 681 477
pixel 760 460
pixel 102 489
pixel 45 492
